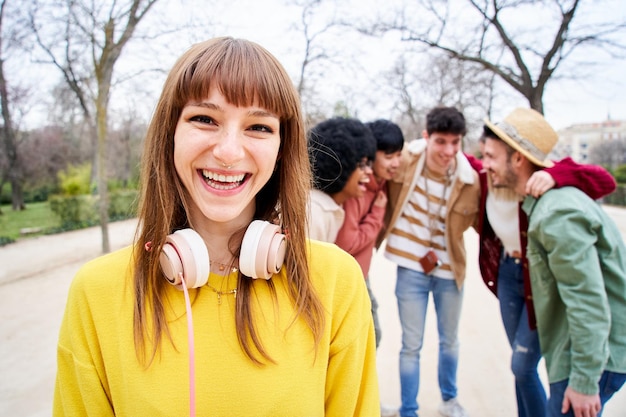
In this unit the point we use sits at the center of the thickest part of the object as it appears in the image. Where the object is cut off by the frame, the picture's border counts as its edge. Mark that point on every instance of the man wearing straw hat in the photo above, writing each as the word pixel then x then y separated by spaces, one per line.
pixel 577 269
pixel 502 229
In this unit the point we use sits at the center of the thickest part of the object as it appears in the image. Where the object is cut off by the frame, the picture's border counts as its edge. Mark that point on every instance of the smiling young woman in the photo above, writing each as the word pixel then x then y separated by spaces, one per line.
pixel 224 192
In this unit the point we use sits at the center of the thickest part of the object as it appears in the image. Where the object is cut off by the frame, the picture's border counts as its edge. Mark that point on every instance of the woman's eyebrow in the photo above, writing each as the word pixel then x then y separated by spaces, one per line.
pixel 206 104
pixel 262 113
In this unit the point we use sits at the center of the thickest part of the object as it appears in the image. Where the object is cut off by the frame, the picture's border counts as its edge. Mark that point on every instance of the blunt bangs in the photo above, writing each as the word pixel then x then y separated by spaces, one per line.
pixel 244 72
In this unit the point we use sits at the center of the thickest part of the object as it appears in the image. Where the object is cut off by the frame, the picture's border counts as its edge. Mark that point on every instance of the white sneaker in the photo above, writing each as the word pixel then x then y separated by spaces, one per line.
pixel 386 411
pixel 452 408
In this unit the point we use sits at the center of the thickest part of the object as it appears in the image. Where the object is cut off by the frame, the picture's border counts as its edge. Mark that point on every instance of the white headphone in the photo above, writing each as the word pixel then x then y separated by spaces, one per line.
pixel 262 254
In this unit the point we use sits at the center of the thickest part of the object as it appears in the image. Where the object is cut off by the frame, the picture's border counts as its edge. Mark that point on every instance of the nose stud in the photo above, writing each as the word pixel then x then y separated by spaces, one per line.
pixel 227 166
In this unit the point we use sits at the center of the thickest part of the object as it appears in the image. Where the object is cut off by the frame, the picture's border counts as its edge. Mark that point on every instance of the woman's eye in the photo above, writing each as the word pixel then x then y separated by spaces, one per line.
pixel 262 128
pixel 202 119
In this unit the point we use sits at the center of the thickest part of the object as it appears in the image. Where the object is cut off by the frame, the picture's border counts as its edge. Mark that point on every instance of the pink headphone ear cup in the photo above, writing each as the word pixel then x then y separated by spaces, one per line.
pixel 186 251
pixel 276 253
pixel 262 250
pixel 171 264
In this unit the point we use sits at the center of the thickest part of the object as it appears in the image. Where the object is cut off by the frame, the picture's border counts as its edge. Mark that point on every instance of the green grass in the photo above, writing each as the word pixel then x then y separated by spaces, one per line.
pixel 36 216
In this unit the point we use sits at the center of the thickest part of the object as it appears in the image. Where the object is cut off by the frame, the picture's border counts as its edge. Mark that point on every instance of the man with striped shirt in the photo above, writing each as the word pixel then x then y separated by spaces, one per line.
pixel 433 199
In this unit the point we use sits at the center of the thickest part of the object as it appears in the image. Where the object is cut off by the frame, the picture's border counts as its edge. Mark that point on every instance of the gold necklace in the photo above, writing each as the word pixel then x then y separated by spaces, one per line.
pixel 220 293
pixel 222 267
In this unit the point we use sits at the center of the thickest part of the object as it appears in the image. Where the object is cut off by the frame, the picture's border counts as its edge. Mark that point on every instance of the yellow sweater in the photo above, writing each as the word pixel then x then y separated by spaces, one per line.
pixel 99 375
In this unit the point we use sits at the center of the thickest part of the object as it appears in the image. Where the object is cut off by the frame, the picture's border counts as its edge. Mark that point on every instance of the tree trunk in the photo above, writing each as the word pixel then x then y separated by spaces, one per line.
pixel 10 145
pixel 17 195
pixel 103 192
pixel 536 99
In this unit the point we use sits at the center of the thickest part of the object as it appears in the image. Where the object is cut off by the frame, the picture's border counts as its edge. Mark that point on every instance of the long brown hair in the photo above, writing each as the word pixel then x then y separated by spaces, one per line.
pixel 246 74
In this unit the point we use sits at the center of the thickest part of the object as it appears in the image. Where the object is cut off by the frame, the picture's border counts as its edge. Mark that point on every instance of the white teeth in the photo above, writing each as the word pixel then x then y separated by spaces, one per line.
pixel 213 176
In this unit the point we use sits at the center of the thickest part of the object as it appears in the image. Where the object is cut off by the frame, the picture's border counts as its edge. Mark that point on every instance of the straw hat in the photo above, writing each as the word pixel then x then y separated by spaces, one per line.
pixel 527 132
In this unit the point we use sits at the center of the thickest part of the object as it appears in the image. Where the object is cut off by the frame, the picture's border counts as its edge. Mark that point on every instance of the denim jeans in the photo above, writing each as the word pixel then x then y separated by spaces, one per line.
pixel 530 394
pixel 610 383
pixel 412 291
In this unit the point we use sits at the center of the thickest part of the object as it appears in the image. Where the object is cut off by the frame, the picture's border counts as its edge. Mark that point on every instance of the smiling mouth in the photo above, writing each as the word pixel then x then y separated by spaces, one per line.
pixel 221 181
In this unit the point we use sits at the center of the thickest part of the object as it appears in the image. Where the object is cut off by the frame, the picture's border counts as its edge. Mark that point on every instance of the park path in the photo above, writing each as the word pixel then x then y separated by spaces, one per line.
pixel 35 275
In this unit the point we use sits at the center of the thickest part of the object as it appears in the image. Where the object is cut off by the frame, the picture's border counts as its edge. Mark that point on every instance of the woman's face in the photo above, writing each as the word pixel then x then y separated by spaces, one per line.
pixel 356 186
pixel 224 155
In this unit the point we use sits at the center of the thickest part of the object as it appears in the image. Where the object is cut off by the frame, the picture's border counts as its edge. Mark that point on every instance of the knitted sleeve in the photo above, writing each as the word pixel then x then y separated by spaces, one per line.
pixel 593 180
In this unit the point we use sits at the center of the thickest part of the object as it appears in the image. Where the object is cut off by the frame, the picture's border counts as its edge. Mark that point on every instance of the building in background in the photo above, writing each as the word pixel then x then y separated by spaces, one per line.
pixel 576 140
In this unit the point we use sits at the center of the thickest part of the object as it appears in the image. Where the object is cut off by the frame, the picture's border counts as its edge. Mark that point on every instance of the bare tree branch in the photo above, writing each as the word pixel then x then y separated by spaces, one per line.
pixel 104 31
pixel 523 60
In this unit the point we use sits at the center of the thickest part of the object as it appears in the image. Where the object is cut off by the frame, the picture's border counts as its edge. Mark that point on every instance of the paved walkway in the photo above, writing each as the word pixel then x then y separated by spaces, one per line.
pixel 35 275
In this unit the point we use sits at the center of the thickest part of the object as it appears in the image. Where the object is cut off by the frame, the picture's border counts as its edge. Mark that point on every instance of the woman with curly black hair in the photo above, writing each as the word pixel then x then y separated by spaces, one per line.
pixel 342 151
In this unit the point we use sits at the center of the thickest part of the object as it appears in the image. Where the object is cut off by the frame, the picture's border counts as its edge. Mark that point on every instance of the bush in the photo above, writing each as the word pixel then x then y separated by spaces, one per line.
pixel 5 240
pixel 75 180
pixel 617 198
pixel 39 194
pixel 122 204
pixel 5 194
pixel 75 211
pixel 620 174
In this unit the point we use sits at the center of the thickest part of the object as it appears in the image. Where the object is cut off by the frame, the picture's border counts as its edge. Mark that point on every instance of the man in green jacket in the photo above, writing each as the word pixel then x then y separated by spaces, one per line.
pixel 577 263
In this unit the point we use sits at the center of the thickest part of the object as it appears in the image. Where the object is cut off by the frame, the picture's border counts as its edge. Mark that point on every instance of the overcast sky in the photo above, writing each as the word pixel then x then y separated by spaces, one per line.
pixel 592 99
pixel 566 102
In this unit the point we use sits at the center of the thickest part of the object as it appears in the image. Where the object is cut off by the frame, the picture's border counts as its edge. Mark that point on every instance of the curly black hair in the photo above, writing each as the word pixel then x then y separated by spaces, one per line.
pixel 336 146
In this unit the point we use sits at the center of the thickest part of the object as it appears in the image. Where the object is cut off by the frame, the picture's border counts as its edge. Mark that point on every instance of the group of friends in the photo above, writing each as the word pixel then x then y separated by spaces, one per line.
pixel 267 231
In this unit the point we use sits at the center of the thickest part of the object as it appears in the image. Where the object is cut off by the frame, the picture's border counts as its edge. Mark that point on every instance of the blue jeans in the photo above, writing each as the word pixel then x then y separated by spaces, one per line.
pixel 530 394
pixel 610 383
pixel 412 291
